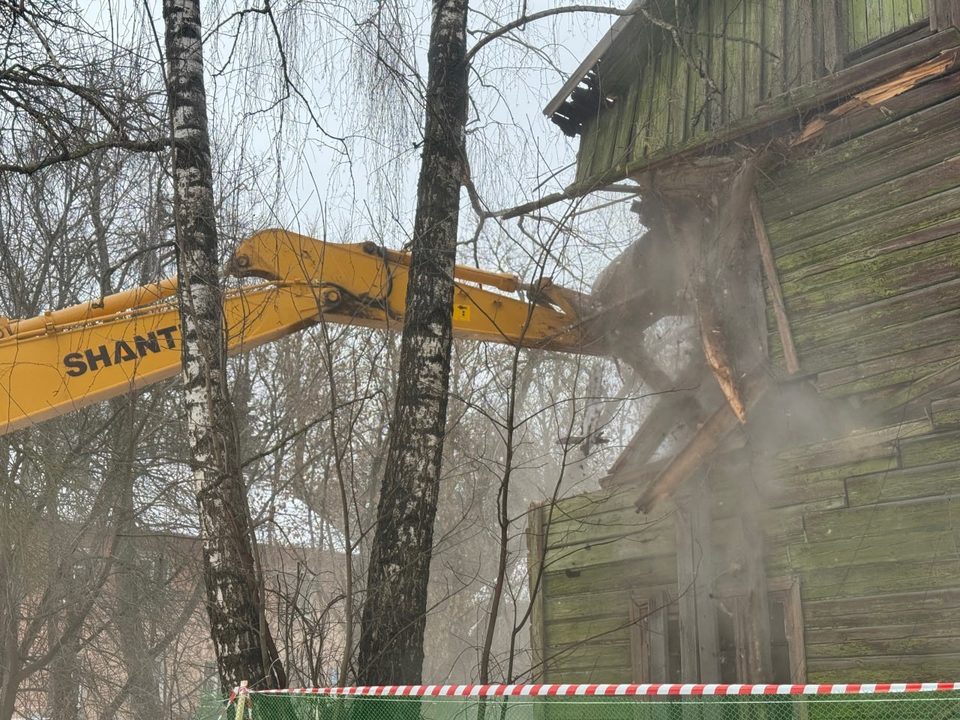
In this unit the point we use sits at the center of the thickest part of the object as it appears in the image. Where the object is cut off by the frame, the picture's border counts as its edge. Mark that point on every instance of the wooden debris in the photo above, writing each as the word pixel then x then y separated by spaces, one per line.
pixel 672 411
pixel 652 374
pixel 944 63
pixel 715 352
pixel 776 292
pixel 707 439
pixel 703 208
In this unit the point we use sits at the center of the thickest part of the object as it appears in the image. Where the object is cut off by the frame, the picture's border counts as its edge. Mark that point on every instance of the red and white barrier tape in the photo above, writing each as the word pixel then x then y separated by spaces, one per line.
pixel 569 690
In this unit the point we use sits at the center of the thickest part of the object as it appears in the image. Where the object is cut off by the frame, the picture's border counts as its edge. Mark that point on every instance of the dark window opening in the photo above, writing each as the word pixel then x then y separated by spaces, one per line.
pixel 655 635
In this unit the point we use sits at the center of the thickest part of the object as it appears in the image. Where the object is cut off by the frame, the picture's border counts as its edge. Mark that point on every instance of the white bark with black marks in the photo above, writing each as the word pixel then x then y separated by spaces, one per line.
pixel 241 638
pixel 394 612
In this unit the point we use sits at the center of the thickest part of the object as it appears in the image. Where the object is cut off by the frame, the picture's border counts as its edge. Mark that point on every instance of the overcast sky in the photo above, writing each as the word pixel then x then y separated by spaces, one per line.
pixel 337 154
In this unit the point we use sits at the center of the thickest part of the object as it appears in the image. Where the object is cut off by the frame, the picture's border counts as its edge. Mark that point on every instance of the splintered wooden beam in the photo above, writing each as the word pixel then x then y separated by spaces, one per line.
pixel 946 62
pixel 776 291
pixel 715 352
pixel 711 246
pixel 706 440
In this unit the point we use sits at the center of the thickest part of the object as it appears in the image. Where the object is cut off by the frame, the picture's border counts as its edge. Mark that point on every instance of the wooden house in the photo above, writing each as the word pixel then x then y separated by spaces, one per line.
pixel 795 516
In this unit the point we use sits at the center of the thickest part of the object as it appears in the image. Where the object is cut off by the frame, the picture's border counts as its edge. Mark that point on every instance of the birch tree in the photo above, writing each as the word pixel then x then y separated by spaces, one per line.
pixel 238 628
pixel 394 612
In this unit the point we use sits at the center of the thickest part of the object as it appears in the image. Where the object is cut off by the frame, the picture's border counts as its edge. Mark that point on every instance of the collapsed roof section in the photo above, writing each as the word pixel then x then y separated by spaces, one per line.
pixel 581 96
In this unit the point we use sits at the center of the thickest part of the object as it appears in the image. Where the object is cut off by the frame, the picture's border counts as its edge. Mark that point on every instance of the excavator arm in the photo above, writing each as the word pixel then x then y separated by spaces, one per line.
pixel 66 359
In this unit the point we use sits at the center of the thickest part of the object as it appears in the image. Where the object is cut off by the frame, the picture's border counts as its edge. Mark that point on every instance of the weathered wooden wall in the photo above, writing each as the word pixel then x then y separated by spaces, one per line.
pixel 727 57
pixel 866 235
pixel 865 21
pixel 865 231
pixel 869 525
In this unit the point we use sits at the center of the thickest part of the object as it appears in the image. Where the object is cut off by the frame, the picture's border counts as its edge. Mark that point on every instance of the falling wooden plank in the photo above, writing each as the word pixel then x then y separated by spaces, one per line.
pixel 715 352
pixel 773 282
pixel 674 410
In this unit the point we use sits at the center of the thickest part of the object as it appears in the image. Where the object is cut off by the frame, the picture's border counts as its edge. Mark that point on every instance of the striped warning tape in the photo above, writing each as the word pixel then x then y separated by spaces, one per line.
pixel 611 690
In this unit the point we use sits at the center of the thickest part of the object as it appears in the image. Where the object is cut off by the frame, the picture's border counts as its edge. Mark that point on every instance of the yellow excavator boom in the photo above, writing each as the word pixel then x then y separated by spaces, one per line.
pixel 66 359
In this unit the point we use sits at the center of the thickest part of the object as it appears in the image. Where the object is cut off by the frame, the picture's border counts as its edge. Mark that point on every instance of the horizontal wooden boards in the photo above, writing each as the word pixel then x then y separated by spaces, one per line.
pixel 866 236
pixel 892 668
pixel 895 148
pixel 869 524
pixel 925 481
pixel 918 608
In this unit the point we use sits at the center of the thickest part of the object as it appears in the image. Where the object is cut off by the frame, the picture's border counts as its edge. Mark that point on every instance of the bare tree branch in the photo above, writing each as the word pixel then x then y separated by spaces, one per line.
pixel 532 17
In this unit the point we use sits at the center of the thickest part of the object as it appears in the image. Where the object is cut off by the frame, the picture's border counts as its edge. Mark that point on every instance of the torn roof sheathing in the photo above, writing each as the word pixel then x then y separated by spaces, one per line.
pixel 581 77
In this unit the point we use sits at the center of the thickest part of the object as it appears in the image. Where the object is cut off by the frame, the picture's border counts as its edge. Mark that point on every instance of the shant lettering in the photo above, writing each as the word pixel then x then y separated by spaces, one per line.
pixel 122 351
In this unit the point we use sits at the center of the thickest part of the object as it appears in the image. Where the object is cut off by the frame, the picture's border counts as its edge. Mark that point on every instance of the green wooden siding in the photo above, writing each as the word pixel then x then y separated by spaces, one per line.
pixel 735 55
pixel 865 231
pixel 866 236
pixel 869 525
pixel 868 20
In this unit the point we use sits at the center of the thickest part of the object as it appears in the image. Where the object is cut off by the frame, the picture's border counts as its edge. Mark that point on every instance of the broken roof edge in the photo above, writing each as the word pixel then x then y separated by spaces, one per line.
pixel 789 106
pixel 588 62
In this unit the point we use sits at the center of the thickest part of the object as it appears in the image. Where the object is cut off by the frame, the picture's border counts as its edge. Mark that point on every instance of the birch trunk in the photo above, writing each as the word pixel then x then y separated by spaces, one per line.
pixel 394 611
pixel 241 638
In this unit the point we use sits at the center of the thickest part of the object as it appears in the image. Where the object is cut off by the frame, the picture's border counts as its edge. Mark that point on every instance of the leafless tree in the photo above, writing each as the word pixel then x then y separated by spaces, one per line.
pixel 238 626
pixel 392 626
pixel 81 215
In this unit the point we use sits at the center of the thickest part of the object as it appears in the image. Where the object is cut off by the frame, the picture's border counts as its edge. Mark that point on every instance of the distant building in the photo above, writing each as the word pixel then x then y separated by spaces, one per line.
pixel 144 649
